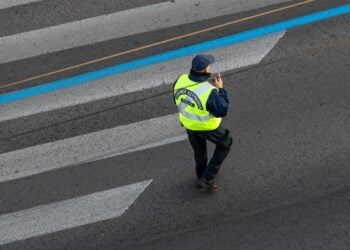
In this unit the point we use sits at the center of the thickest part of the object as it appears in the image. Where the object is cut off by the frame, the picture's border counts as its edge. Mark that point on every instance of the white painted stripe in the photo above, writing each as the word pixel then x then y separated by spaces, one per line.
pixel 68 214
pixel 89 147
pixel 159 143
pixel 120 24
pixel 233 57
pixel 11 3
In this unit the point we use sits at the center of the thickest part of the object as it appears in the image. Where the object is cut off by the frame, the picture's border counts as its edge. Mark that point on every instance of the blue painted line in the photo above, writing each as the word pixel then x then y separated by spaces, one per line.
pixel 174 54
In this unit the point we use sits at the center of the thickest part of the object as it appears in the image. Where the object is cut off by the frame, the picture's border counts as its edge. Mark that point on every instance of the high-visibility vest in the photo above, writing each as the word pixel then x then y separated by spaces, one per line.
pixel 191 99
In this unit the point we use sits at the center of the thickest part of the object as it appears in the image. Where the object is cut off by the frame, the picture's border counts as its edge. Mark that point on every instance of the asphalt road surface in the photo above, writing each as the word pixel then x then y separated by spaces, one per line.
pixel 105 164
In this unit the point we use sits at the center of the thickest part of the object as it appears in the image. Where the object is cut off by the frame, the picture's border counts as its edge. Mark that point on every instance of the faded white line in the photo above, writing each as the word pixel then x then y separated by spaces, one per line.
pixel 4 4
pixel 233 57
pixel 84 148
pixel 117 25
pixel 68 214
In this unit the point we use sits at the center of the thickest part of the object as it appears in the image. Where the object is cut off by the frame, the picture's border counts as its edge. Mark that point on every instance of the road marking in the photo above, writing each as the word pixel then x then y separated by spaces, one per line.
pixel 101 59
pixel 174 54
pixel 4 4
pixel 68 214
pixel 84 148
pixel 116 25
pixel 233 57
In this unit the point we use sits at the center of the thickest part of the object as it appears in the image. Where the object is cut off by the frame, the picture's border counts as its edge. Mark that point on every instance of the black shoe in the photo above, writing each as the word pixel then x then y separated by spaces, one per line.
pixel 208 184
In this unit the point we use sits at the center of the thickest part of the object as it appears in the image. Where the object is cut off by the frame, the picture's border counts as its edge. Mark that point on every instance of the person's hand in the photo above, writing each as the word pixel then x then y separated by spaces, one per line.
pixel 218 82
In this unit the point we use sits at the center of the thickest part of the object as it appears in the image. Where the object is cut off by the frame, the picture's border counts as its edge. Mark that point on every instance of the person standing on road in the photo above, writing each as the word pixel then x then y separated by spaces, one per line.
pixel 201 107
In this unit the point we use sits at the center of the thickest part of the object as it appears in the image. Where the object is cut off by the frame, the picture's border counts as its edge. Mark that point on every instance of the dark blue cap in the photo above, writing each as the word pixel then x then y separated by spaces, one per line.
pixel 200 62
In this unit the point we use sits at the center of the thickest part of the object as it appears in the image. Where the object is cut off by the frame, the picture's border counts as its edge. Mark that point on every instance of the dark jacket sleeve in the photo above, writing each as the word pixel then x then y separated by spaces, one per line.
pixel 218 103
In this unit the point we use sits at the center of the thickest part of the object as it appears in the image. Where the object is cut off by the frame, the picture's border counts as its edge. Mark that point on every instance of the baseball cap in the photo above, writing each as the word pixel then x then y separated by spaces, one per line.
pixel 200 62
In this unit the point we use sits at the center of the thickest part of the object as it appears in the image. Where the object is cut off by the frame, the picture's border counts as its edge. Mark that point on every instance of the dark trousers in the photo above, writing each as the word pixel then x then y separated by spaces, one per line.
pixel 198 139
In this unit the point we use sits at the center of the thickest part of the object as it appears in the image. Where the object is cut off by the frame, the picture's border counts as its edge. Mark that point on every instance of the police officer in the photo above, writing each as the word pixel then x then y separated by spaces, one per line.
pixel 201 107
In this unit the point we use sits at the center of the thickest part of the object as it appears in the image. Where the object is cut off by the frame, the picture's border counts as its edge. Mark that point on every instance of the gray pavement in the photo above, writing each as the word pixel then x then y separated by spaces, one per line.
pixel 47 63
pixel 284 186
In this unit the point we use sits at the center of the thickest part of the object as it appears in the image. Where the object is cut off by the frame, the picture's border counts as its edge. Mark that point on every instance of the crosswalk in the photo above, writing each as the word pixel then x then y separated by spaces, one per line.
pixel 68 152
pixel 116 25
pixel 28 162
pixel 69 213
pixel 238 56
pixel 103 143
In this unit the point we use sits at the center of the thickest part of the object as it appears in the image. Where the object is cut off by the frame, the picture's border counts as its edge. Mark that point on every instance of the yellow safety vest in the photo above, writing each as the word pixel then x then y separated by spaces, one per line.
pixel 191 99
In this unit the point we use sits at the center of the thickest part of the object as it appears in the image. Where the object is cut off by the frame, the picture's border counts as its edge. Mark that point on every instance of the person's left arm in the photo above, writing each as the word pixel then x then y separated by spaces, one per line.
pixel 218 102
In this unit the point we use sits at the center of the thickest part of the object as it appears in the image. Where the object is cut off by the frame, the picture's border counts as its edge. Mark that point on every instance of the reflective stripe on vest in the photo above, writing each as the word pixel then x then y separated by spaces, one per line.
pixel 191 99
pixel 182 106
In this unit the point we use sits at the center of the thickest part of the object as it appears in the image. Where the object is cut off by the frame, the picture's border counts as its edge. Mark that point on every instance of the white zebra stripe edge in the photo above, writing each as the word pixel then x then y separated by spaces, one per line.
pixel 68 214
